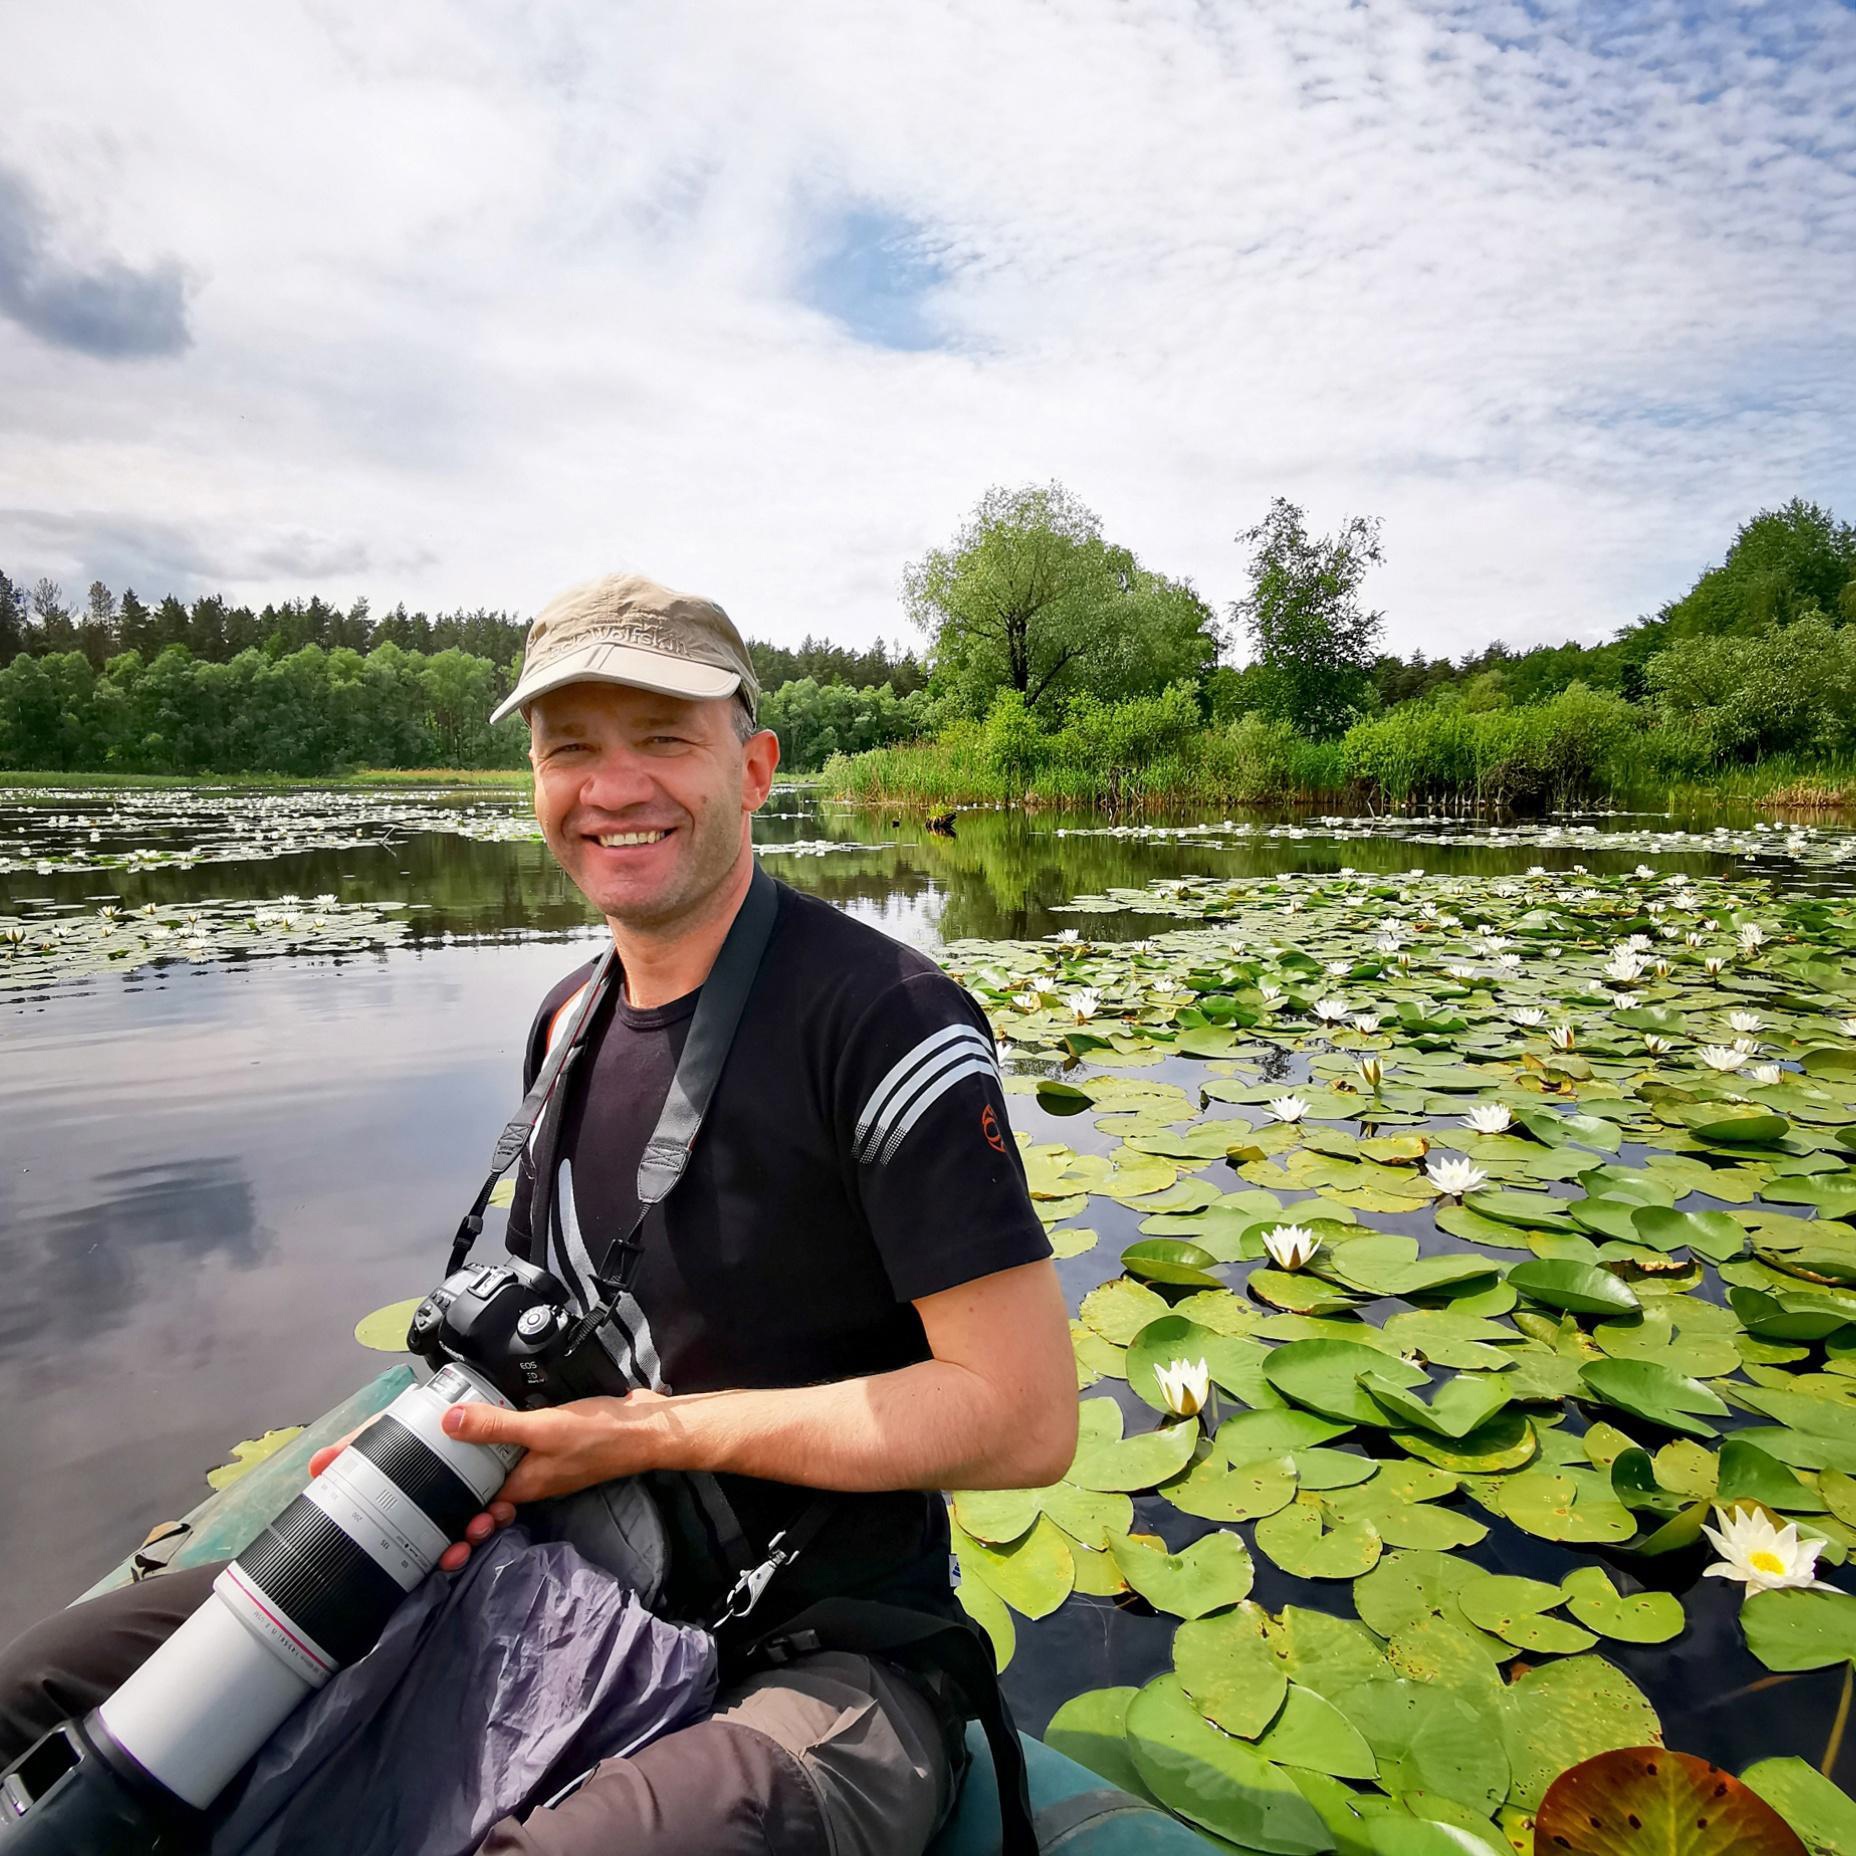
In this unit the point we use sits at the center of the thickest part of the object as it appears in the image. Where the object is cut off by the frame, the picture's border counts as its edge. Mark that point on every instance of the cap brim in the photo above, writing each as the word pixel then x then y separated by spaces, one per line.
pixel 627 664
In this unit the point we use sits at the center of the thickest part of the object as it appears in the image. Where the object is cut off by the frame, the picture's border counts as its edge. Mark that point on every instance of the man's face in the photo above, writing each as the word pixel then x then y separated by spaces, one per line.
pixel 644 799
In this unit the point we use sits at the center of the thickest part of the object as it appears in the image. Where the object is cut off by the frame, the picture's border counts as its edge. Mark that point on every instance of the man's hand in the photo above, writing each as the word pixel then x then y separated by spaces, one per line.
pixel 572 1446
pixel 499 1514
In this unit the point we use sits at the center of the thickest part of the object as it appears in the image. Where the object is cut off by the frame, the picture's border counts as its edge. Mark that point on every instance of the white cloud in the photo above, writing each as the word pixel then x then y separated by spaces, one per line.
pixel 483 300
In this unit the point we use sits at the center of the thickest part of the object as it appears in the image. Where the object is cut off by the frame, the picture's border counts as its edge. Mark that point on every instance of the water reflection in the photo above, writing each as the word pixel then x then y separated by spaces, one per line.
pixel 77 1274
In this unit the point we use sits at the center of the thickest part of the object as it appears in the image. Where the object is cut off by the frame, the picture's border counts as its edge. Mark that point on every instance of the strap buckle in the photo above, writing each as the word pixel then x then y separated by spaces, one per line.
pixel 747 1590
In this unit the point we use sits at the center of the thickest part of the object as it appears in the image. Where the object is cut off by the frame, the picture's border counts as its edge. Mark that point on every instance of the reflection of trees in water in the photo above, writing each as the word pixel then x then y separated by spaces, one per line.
pixel 1003 874
pixel 80 1274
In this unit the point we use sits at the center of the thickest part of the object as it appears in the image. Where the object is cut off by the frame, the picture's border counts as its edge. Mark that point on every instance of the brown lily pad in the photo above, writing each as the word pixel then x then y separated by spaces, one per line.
pixel 1647 1801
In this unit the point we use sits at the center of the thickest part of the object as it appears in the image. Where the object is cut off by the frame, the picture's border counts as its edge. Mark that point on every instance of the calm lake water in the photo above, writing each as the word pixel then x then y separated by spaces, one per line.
pixel 209 1172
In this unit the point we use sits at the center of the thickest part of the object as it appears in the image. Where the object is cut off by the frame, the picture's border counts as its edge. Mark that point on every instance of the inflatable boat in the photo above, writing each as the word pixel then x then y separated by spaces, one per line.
pixel 1076 1811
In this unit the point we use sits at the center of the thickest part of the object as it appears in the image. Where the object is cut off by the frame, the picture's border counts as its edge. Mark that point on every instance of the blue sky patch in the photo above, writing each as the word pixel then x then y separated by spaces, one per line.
pixel 871 274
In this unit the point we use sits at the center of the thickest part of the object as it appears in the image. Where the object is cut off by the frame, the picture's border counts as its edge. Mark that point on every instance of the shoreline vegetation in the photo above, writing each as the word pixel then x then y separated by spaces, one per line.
pixel 1059 671
pixel 1506 763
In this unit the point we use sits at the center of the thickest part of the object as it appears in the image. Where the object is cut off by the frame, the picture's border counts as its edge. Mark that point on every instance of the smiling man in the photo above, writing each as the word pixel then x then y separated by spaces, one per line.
pixel 847 1292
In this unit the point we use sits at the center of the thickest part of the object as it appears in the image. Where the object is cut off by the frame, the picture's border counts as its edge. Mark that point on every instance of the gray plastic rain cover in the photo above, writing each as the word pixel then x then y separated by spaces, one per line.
pixel 487 1693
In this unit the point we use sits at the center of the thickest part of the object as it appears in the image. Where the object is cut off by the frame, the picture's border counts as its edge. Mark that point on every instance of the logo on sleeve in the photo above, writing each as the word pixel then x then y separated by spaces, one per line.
pixel 915 1085
pixel 989 1126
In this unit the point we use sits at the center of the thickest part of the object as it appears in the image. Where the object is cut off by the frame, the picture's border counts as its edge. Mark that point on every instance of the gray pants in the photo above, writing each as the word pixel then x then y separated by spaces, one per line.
pixel 832 1755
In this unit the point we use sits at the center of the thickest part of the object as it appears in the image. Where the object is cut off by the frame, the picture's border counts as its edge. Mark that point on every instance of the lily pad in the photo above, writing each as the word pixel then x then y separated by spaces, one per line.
pixel 1562 1713
pixel 1822 1813
pixel 1032 1575
pixel 247 1456
pixel 1312 1734
pixel 1646 1390
pixel 1212 1573
pixel 1428 1740
pixel 1228 1670
pixel 1635 1800
pixel 1216 1781
pixel 1514 1610
pixel 1300 1539
pixel 1324 1376
pixel 1092 1729
pixel 1800 1629
pixel 1170 1260
pixel 1645 1617
pixel 1578 1288
pixel 385 1329
pixel 1139 1462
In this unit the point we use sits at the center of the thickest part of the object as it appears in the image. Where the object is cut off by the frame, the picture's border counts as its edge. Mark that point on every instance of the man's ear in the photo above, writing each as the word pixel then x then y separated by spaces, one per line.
pixel 760 757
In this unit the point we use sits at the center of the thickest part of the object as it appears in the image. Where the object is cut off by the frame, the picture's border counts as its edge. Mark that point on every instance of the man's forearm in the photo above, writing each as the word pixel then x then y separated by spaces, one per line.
pixel 934 1425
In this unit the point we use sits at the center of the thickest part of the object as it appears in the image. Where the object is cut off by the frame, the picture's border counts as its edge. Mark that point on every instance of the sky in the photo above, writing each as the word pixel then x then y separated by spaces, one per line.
pixel 460 304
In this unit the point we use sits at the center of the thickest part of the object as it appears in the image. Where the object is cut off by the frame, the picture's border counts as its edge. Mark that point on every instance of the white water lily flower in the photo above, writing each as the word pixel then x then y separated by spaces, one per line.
pixel 1847 1026
pixel 1529 1016
pixel 1714 966
pixel 1657 1045
pixel 1562 1037
pixel 1185 1385
pixel 1288 1108
pixel 1340 968
pixel 1490 1118
pixel 1751 936
pixel 1454 1177
pixel 1762 1557
pixel 1029 1001
pixel 1290 1245
pixel 1084 1003
pixel 1623 967
pixel 1721 1056
pixel 1367 1022
pixel 1509 963
pixel 1372 1072
pixel 1637 943
pixel 1746 1021
pixel 1767 1073
pixel 1645 872
pixel 1536 869
pixel 1661 968
pixel 1269 994
pixel 1458 971
pixel 1066 937
pixel 1332 1011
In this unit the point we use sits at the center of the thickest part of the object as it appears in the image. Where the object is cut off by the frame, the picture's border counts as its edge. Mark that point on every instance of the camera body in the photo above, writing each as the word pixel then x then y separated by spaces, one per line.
pixel 512 1322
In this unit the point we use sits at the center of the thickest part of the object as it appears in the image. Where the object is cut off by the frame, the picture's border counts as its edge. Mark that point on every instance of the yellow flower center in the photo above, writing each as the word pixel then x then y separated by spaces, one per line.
pixel 1764 1561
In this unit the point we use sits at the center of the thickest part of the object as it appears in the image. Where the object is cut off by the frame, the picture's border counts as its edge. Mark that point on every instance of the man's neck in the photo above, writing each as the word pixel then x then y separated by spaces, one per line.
pixel 665 963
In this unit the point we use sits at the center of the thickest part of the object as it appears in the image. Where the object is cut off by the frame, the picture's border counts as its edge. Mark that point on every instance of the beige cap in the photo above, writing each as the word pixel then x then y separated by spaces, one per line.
pixel 627 629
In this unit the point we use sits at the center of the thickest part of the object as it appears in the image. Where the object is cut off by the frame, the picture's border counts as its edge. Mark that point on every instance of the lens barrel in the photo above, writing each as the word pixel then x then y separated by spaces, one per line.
pixel 311 1593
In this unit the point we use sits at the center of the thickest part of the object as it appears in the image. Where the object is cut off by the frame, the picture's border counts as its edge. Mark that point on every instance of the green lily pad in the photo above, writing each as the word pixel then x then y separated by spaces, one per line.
pixel 1566 1504
pixel 1213 1572
pixel 1578 1288
pixel 1170 1260
pixel 1214 1492
pixel 385 1329
pixel 1506 1441
pixel 1217 1782
pixel 1233 1361
pixel 1324 1376
pixel 1638 1799
pixel 1646 1390
pixel 1140 1462
pixel 1120 1309
pixel 996 1516
pixel 1323 1652
pixel 1409 1587
pixel 1645 1617
pixel 1822 1813
pixel 1226 1667
pixel 247 1456
pixel 1514 1610
pixel 1428 1740
pixel 1748 1473
pixel 1564 1712
pixel 990 1612
pixel 1458 1406
pixel 1313 1734
pixel 1713 1235
pixel 1033 1575
pixel 1300 1539
pixel 1092 1729
pixel 1800 1629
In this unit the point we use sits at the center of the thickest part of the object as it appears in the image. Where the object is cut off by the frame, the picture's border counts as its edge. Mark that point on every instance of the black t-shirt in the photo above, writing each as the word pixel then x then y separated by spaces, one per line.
pixel 856 1156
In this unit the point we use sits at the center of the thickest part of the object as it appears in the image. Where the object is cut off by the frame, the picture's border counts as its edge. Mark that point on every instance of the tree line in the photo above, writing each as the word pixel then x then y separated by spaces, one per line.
pixel 1037 629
